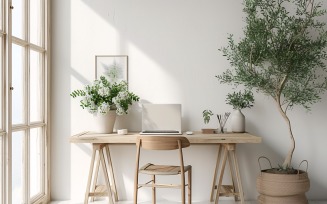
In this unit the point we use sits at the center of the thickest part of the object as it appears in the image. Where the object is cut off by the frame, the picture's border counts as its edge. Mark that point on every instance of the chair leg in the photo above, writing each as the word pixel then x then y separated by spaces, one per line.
pixel 183 187
pixel 135 193
pixel 135 188
pixel 154 197
pixel 189 174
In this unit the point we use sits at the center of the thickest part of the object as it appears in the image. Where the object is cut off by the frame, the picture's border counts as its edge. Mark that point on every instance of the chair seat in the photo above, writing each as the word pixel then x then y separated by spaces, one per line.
pixel 162 169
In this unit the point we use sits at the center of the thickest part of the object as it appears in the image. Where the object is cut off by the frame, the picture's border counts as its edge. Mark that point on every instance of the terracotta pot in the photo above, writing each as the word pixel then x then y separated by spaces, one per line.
pixel 105 123
pixel 283 188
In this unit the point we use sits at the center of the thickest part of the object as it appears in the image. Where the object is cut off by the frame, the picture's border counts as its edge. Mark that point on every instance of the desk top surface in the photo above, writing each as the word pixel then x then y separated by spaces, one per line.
pixel 195 138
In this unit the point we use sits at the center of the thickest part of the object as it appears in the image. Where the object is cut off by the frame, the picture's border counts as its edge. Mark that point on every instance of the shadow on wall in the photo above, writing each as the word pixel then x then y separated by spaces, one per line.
pixel 60 101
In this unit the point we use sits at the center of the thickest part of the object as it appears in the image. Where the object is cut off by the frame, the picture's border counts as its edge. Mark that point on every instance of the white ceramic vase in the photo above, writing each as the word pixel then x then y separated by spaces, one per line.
pixel 238 121
pixel 105 123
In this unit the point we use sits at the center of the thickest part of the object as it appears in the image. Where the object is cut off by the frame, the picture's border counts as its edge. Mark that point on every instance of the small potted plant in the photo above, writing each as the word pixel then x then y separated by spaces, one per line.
pixel 222 119
pixel 206 118
pixel 239 100
pixel 105 100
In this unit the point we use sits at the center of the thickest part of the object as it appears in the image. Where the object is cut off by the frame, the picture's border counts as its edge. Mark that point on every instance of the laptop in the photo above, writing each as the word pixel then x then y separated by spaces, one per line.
pixel 161 119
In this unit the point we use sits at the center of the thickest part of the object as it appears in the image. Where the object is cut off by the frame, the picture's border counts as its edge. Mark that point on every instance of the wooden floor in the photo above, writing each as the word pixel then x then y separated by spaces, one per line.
pixel 168 202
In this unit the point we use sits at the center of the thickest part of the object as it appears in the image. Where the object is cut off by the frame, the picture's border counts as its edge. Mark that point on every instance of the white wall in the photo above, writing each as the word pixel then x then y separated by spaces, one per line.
pixel 173 58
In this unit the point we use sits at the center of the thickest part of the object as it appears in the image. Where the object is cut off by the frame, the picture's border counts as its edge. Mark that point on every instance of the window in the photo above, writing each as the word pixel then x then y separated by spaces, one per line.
pixel 24 102
pixel 28 100
pixel 2 101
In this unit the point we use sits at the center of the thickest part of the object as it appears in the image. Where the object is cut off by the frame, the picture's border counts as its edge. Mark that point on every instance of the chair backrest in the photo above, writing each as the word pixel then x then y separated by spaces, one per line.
pixel 176 143
pixel 162 142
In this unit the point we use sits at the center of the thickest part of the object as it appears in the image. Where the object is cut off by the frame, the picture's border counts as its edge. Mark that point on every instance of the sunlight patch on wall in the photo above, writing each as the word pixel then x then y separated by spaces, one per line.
pixel 154 82
pixel 129 184
pixel 87 31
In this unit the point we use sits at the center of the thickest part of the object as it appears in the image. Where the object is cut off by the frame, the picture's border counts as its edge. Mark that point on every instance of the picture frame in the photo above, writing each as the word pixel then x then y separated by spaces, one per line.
pixel 113 67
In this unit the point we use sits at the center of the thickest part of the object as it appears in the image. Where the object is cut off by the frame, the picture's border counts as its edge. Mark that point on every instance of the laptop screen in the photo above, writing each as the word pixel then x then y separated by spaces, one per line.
pixel 161 119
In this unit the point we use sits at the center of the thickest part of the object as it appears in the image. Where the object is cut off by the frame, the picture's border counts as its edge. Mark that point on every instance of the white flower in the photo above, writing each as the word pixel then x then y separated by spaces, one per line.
pixel 104 98
pixel 120 111
pixel 104 108
pixel 90 110
pixel 104 91
pixel 122 95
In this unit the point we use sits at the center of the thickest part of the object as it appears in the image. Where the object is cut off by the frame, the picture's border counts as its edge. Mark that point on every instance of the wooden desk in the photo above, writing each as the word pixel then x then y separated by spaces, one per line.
pixel 196 138
pixel 226 143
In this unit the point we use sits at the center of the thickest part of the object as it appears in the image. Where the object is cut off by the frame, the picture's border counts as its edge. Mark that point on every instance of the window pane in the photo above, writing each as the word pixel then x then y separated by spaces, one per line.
pixel 1 84
pixel 35 161
pixel 1 16
pixel 17 167
pixel 18 18
pixel 18 84
pixel 1 166
pixel 36 22
pixel 35 86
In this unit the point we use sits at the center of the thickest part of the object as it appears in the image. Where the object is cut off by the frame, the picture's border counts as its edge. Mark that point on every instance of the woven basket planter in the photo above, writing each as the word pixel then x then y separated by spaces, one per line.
pixel 283 188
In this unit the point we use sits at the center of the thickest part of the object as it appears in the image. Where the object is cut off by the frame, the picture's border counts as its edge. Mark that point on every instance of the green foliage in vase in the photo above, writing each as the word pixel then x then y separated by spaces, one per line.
pixel 282 54
pixel 240 100
pixel 102 96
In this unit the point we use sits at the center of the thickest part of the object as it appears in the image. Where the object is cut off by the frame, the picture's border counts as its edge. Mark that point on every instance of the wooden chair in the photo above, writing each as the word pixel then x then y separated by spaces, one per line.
pixel 162 143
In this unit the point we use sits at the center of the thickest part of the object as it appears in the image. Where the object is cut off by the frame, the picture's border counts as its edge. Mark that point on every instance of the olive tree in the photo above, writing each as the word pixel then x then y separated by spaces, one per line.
pixel 282 54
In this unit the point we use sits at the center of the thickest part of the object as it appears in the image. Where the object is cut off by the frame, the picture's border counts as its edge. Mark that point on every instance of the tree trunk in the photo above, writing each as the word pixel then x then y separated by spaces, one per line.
pixel 288 159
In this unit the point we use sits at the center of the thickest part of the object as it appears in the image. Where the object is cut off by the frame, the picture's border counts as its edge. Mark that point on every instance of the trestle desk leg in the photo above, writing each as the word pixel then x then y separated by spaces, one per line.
pixel 90 176
pixel 225 154
pixel 105 172
pixel 229 152
pixel 238 176
pixel 213 188
pixel 111 173
pixel 96 173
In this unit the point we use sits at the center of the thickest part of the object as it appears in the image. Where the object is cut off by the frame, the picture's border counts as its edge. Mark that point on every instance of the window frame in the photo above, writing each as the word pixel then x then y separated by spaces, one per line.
pixel 43 49
pixel 3 132
pixel 2 65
